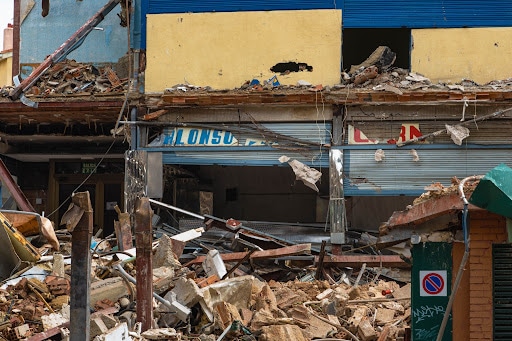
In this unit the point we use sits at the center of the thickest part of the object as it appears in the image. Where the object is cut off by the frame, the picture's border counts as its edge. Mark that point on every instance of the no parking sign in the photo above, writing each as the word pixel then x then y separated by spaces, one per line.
pixel 433 283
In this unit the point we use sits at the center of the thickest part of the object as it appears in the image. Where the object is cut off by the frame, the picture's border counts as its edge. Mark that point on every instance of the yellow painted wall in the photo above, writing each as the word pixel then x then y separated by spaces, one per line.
pixel 223 50
pixel 6 71
pixel 449 55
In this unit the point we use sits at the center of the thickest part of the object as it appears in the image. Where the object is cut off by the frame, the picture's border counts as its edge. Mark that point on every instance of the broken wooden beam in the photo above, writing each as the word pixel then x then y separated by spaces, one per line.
pixel 424 211
pixel 392 261
pixel 273 253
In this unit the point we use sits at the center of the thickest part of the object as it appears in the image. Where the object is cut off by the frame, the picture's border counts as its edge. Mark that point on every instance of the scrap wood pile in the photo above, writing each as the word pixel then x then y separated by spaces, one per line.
pixel 199 302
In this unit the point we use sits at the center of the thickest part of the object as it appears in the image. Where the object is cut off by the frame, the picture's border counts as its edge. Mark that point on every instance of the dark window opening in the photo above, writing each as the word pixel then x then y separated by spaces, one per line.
pixel 291 67
pixel 231 194
pixel 358 44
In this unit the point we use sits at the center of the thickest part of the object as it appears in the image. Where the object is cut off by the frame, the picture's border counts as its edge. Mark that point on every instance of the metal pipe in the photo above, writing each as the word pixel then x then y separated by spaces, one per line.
pixel 159 203
pixel 122 272
pixel 464 257
pixel 16 38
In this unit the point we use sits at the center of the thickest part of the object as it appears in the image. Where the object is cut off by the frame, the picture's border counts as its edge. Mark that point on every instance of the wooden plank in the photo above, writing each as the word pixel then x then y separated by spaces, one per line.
pixel 393 261
pixel 272 253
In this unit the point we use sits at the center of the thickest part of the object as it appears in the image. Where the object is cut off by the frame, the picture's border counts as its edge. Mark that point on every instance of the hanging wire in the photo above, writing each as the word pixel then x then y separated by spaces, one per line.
pixel 85 180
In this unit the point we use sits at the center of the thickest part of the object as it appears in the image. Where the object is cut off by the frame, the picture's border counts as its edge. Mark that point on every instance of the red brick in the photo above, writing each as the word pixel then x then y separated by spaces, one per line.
pixel 479 300
pixel 478 266
pixel 481 244
pixel 479 293
pixel 476 321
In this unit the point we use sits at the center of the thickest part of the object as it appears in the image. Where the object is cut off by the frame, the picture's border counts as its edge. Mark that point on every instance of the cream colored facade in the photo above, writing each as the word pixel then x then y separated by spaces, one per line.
pixel 223 50
pixel 5 68
pixel 450 55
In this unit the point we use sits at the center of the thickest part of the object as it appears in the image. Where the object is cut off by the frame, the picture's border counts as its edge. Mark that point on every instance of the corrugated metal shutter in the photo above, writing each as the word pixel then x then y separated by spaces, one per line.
pixel 426 13
pixel 398 174
pixel 502 291
pixel 166 6
pixel 318 132
pixel 488 132
pixel 244 157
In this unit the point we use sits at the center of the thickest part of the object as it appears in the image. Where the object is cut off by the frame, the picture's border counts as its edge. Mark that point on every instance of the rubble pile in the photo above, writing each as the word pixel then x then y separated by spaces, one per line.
pixel 204 298
pixel 70 77
pixel 376 73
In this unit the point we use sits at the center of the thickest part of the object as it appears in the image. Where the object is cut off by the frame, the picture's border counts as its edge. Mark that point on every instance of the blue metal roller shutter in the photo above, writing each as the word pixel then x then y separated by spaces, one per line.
pixel 426 13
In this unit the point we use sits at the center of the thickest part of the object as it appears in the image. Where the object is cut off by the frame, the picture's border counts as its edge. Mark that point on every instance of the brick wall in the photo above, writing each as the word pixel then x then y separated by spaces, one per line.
pixel 485 229
pixel 38 199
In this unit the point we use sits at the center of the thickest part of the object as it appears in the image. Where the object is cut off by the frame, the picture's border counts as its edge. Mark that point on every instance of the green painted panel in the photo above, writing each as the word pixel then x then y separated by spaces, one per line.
pixel 431 289
pixel 494 191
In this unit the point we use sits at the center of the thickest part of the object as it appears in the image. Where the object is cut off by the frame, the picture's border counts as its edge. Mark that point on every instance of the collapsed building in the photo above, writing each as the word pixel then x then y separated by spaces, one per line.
pixel 276 128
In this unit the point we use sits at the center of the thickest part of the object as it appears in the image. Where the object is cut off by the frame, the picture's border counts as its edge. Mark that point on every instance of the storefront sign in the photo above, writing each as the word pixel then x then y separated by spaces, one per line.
pixel 198 137
pixel 88 167
pixel 408 131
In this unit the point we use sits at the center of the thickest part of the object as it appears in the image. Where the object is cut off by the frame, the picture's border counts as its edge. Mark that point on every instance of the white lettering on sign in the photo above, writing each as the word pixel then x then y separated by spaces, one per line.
pixel 199 137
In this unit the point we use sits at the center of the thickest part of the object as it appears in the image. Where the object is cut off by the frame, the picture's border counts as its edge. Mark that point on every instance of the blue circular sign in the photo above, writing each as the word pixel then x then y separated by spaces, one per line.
pixel 433 283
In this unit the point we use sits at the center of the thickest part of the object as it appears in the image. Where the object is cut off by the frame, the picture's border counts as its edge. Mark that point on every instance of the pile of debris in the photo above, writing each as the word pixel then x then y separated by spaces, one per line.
pixel 376 73
pixel 73 78
pixel 194 303
pixel 203 293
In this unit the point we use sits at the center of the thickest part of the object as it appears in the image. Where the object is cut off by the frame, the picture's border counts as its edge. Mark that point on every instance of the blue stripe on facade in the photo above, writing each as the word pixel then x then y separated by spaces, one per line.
pixel 426 13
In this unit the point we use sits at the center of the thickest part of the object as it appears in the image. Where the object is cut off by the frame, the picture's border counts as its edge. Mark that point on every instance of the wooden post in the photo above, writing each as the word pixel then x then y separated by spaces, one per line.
pixel 81 269
pixel 144 263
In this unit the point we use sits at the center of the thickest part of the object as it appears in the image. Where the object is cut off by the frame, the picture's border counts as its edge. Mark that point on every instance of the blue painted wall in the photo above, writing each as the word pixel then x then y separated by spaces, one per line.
pixel 42 36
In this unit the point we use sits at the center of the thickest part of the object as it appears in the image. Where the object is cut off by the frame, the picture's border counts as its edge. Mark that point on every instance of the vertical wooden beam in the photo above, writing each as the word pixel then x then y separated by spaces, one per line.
pixel 144 262
pixel 81 269
pixel 19 197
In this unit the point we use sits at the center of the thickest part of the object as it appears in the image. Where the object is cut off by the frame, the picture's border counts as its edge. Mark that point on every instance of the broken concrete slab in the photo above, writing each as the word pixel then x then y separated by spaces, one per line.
pixel 111 288
pixel 366 331
pixel 281 332
pixel 315 327
pixel 119 332
pixel 236 291
pixel 384 316
pixel 225 314
pixel 164 255
pixel 162 334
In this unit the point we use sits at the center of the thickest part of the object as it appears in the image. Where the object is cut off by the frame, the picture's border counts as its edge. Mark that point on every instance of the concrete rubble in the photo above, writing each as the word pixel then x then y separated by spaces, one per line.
pixel 206 301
